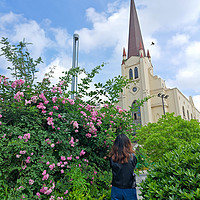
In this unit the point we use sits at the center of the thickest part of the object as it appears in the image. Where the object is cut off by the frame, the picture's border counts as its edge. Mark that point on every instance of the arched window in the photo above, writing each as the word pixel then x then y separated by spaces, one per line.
pixel 136 114
pixel 183 112
pixel 136 72
pixel 188 115
pixel 130 74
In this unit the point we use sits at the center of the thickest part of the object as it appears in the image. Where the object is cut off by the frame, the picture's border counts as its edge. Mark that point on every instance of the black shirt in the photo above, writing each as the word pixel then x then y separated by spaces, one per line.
pixel 123 175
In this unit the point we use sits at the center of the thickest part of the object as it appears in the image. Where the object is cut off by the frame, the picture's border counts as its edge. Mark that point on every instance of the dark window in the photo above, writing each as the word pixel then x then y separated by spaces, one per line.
pixel 136 72
pixel 130 74
pixel 191 116
pixel 134 89
pixel 183 112
pixel 188 115
pixel 136 113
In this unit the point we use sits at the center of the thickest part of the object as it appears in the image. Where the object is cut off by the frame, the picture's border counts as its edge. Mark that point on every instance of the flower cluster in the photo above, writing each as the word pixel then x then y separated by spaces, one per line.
pixel 4 80
pixel 26 137
pixel 43 98
pixel 18 96
pixel 17 83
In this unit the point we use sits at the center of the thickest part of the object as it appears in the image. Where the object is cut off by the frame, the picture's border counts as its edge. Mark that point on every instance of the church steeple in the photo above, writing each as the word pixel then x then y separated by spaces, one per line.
pixel 135 37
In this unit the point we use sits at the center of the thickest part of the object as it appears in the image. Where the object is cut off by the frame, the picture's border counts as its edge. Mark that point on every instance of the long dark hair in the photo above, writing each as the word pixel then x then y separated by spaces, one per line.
pixel 121 149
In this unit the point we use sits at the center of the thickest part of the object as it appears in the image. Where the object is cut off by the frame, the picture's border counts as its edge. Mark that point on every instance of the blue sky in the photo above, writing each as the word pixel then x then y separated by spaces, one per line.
pixel 102 26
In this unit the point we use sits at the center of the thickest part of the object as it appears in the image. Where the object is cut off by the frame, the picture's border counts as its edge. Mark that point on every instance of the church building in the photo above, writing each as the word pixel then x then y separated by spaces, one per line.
pixel 137 66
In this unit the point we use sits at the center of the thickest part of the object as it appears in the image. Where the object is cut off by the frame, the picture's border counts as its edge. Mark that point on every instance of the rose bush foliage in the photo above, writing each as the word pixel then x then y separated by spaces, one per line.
pixel 54 147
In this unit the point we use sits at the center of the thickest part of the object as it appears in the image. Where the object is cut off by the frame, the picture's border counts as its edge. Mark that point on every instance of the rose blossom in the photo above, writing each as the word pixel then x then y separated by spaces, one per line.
pixel 63 158
pixel 82 153
pixel 31 181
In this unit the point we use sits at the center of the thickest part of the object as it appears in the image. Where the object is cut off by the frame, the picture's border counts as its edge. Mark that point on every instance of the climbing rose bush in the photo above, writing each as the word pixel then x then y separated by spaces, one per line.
pixel 44 137
pixel 55 147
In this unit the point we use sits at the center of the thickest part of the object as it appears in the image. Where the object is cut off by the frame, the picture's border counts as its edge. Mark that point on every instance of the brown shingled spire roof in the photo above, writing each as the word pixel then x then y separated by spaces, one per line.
pixel 135 36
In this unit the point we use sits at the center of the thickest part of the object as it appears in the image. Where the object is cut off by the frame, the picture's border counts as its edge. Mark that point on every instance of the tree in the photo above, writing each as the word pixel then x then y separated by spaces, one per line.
pixel 166 135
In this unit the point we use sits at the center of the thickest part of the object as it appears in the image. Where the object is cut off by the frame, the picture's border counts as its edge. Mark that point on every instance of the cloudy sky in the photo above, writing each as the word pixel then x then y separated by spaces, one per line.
pixel 102 25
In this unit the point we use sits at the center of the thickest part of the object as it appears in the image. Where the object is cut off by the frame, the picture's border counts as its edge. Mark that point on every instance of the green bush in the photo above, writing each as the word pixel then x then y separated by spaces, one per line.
pixel 166 135
pixel 51 146
pixel 143 161
pixel 175 176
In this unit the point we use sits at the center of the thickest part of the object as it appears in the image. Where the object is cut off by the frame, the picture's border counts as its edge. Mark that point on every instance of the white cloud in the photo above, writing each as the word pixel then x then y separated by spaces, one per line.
pixel 193 52
pixel 154 50
pixel 33 33
pixel 106 32
pixel 95 17
pixel 188 77
pixel 8 19
pixel 115 6
pixel 61 63
pixel 63 39
pixel 168 15
pixel 196 100
pixel 178 40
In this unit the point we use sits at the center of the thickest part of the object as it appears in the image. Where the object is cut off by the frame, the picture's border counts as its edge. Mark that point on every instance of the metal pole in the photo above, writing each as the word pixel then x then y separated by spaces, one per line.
pixel 77 65
pixel 163 104
pixel 74 63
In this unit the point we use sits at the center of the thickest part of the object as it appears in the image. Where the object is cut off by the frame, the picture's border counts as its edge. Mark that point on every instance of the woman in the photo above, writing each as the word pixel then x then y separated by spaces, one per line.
pixel 123 162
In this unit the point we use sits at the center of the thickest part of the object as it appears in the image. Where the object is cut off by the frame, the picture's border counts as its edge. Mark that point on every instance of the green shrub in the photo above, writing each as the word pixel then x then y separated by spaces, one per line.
pixel 143 161
pixel 166 135
pixel 175 176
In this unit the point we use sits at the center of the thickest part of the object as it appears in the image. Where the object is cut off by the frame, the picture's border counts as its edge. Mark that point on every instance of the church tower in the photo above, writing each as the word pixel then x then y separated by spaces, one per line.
pixel 136 66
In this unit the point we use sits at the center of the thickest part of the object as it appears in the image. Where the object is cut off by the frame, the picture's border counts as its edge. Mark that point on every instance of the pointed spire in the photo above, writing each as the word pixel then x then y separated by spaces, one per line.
pixel 135 36
pixel 148 54
pixel 141 47
pixel 124 56
pixel 124 52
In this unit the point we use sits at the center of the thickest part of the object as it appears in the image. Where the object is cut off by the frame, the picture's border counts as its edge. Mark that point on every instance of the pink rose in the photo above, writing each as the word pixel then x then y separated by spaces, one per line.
pixel 82 153
pixel 45 177
pixel 66 192
pixel 38 194
pixel 44 172
pixel 63 158
pixel 69 158
pixel 31 181
pixel 51 113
